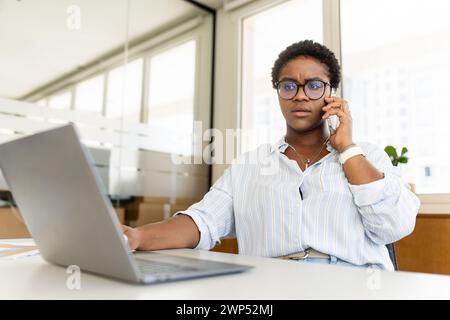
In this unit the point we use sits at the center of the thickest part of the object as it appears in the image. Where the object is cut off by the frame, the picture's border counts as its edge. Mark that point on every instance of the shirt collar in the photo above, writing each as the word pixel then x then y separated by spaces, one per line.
pixel 281 145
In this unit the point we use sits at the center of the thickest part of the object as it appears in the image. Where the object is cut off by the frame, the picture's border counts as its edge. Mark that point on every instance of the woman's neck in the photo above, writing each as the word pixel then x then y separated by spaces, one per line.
pixel 307 139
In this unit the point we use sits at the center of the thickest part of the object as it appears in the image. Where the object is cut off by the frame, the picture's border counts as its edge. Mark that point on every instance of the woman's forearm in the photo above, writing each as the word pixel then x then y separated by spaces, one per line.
pixel 177 232
pixel 360 171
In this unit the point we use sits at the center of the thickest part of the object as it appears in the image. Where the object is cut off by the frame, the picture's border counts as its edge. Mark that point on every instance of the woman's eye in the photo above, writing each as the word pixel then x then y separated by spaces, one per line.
pixel 289 86
pixel 314 85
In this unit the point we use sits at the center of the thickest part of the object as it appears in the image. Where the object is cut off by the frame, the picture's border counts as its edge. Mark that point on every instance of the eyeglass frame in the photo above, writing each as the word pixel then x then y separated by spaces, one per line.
pixel 303 88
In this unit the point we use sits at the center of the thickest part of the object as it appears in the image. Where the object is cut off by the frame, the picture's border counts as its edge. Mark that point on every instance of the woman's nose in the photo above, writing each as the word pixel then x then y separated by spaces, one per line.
pixel 300 96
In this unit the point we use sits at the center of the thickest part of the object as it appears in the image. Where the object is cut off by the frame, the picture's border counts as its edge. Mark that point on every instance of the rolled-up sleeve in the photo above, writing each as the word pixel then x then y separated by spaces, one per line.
pixel 214 214
pixel 388 208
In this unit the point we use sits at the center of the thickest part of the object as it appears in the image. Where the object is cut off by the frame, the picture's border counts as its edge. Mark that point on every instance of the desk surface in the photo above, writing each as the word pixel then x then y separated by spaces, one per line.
pixel 33 278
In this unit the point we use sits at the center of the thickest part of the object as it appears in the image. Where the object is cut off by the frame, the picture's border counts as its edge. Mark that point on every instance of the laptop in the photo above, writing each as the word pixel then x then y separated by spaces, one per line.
pixel 71 219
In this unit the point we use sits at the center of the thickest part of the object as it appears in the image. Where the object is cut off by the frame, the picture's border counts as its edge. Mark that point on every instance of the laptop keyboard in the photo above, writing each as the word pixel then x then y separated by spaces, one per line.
pixel 160 268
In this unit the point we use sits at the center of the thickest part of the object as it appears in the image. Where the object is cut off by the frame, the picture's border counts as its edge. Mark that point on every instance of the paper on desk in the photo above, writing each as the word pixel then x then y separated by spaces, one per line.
pixel 10 251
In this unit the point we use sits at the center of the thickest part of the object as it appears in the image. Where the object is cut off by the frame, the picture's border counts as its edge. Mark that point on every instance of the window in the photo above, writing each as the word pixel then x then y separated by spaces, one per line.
pixel 60 101
pixel 89 95
pixel 42 102
pixel 263 40
pixel 390 67
pixel 171 93
pixel 124 92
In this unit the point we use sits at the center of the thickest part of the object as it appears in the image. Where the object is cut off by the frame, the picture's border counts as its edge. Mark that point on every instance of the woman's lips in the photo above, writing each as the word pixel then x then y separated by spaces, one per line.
pixel 301 113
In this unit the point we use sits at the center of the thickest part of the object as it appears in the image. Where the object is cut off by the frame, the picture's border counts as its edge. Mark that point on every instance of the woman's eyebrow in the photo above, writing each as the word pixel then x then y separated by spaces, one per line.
pixel 306 79
pixel 315 78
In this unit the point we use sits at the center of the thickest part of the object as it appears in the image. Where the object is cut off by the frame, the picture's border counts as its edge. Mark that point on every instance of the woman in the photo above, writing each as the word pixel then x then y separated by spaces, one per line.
pixel 329 201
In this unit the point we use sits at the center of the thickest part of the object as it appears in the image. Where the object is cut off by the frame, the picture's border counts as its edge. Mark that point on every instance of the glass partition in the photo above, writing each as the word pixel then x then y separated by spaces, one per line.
pixel 133 76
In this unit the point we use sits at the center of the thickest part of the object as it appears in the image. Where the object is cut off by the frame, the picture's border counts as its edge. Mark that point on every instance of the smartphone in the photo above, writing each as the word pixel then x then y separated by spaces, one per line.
pixel 333 123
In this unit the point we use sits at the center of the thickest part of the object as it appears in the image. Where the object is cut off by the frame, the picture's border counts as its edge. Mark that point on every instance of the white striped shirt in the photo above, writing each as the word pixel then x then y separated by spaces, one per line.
pixel 271 217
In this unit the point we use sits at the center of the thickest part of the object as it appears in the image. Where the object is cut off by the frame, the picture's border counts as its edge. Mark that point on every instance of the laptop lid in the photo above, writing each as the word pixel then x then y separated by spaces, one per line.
pixel 62 200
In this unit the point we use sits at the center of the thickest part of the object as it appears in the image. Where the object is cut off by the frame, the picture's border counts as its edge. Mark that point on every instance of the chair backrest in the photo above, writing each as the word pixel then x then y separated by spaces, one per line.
pixel 391 250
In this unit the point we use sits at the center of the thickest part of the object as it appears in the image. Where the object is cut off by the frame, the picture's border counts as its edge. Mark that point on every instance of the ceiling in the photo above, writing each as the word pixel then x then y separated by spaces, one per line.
pixel 37 46
pixel 213 4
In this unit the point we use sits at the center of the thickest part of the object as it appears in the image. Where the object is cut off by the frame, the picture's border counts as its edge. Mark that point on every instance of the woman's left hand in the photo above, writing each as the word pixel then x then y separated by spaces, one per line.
pixel 343 135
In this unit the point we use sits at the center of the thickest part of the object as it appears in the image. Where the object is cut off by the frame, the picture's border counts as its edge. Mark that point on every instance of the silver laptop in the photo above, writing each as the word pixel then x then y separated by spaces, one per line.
pixel 71 219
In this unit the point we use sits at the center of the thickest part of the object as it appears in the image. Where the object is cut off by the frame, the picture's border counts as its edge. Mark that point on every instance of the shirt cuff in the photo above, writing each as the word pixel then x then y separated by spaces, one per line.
pixel 205 239
pixel 373 192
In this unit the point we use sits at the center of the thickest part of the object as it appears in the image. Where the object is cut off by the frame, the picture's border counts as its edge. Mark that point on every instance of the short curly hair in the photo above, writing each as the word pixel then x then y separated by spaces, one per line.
pixel 308 48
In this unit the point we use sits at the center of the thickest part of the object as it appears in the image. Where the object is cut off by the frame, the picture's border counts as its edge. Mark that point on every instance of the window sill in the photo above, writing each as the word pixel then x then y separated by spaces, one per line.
pixel 438 203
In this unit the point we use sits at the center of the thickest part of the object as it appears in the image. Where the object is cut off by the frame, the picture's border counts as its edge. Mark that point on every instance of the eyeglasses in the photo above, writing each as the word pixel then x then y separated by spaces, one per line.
pixel 314 89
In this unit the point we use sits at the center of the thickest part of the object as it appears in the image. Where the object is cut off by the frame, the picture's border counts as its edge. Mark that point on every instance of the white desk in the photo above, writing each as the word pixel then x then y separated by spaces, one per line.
pixel 33 278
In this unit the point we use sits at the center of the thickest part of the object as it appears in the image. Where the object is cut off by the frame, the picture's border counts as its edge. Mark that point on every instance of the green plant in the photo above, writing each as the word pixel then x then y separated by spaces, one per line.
pixel 393 155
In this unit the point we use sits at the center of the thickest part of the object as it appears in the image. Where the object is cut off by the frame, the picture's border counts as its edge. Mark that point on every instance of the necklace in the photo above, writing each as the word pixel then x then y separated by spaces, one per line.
pixel 308 161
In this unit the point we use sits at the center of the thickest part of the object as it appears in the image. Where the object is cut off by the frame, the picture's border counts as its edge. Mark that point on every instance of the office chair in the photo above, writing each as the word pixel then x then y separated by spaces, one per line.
pixel 391 250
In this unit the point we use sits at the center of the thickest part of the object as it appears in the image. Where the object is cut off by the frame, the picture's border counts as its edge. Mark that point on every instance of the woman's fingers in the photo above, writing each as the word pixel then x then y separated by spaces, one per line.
pixel 334 105
pixel 341 114
pixel 132 237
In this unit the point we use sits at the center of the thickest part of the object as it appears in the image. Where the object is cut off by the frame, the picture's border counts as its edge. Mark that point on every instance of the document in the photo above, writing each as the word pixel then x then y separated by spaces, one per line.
pixel 10 251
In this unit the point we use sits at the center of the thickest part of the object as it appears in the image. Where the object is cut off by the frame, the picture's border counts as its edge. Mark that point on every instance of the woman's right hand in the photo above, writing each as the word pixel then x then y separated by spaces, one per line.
pixel 134 237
